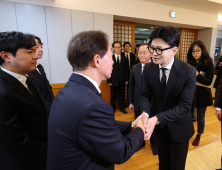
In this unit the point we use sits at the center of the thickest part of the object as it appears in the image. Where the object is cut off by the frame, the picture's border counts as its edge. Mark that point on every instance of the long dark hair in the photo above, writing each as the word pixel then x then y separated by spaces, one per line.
pixel 205 57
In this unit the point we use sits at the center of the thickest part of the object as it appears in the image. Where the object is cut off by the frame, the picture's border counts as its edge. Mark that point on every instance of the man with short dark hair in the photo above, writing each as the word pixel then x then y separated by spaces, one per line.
pixel 83 133
pixel 40 80
pixel 119 77
pixel 23 119
pixel 131 60
pixel 167 94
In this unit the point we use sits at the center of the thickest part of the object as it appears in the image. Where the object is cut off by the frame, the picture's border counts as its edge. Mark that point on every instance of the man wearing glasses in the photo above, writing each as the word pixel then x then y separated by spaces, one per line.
pixel 170 84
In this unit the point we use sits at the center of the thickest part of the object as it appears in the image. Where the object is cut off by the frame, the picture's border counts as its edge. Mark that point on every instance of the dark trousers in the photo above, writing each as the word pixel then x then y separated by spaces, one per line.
pixel 200 118
pixel 172 155
pixel 120 90
pixel 153 136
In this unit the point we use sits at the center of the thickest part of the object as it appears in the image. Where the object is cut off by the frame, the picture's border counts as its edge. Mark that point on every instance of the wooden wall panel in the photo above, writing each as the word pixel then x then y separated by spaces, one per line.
pixel 105 90
pixel 186 39
pixel 124 32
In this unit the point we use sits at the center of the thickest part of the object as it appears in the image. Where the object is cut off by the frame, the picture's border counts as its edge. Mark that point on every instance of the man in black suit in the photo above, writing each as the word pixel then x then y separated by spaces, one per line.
pixel 23 119
pixel 170 84
pixel 119 77
pixel 40 80
pixel 131 59
pixel 135 85
pixel 83 133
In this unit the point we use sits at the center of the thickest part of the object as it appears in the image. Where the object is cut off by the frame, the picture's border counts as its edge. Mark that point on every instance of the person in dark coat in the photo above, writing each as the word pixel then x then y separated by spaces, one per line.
pixel 40 80
pixel 198 57
pixel 135 86
pixel 83 133
pixel 119 77
pixel 219 73
pixel 167 94
pixel 23 118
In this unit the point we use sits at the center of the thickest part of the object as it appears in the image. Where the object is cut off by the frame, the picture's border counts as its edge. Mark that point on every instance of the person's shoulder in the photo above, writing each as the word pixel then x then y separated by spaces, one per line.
pixel 136 65
pixel 185 65
pixel 132 54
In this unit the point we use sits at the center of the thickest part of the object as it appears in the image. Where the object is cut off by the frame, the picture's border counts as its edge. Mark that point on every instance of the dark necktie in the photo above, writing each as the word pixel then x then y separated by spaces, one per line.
pixel 127 56
pixel 163 80
pixel 118 59
pixel 142 69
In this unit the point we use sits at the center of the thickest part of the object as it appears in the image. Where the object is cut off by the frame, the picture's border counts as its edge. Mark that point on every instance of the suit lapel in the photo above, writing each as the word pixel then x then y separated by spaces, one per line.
pixel 173 78
pixel 36 73
pixel 20 88
pixel 138 72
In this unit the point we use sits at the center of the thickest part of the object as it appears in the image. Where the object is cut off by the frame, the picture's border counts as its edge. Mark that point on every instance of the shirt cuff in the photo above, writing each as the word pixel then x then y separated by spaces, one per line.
pixel 217 108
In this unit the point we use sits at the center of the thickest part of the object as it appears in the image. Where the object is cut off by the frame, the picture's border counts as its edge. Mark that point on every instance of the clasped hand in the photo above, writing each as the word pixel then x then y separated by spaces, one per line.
pixel 146 124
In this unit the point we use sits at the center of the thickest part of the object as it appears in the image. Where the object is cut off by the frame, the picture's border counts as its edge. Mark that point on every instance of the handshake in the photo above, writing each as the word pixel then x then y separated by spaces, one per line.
pixel 146 124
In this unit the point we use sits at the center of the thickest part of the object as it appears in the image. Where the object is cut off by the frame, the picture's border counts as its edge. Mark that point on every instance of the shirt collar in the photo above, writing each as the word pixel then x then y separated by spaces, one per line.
pixel 169 66
pixel 91 80
pixel 117 55
pixel 127 53
pixel 19 77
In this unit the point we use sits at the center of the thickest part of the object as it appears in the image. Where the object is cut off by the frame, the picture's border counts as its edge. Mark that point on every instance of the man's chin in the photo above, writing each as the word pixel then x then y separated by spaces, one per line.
pixel 156 62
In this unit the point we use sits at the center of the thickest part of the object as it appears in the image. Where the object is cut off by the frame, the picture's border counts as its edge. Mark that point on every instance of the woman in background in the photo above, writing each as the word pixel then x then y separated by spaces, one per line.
pixel 198 57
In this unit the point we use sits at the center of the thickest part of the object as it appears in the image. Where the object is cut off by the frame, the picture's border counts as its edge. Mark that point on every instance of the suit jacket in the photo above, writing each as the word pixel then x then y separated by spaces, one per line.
pixel 132 62
pixel 42 84
pixel 120 73
pixel 219 73
pixel 23 127
pixel 173 107
pixel 135 86
pixel 83 133
pixel 203 94
pixel 218 96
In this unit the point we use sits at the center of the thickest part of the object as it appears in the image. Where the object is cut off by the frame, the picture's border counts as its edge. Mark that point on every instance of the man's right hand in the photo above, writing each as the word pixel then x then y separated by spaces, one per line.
pixel 131 106
pixel 141 122
pixel 110 84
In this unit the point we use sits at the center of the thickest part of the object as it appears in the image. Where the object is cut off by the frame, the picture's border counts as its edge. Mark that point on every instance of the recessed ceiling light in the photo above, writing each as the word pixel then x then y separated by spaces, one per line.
pixel 151 27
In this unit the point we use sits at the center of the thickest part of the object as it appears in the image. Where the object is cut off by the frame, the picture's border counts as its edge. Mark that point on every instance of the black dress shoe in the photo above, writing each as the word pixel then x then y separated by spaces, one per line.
pixel 124 111
pixel 155 150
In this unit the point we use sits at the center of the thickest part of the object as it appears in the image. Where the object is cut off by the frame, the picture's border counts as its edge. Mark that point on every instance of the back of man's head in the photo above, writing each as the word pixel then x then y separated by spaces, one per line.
pixel 84 46
pixel 12 41
pixel 168 34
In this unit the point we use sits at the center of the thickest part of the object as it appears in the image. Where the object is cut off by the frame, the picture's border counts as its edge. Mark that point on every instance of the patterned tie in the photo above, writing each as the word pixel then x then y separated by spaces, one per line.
pixel 163 80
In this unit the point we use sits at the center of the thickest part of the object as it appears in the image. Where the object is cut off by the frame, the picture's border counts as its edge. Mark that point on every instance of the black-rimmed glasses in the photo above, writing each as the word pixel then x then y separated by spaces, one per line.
pixel 158 50
pixel 197 51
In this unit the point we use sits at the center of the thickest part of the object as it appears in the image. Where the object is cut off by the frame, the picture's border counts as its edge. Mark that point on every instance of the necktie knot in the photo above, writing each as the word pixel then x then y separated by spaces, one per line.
pixel 163 70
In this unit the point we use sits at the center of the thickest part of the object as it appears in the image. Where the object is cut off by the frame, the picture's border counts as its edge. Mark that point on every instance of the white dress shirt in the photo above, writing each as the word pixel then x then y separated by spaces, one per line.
pixel 128 57
pixel 167 72
pixel 91 80
pixel 19 77
pixel 117 56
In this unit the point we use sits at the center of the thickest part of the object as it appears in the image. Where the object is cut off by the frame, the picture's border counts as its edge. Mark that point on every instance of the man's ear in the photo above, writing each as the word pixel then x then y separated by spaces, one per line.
pixel 174 49
pixel 6 56
pixel 96 61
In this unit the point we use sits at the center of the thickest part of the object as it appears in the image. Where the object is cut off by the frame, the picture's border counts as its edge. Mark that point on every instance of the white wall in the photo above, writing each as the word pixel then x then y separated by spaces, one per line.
pixel 135 9
pixel 208 37
pixel 55 27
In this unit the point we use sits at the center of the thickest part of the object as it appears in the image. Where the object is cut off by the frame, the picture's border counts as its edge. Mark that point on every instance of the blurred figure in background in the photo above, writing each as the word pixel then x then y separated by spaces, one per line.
pixel 198 57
